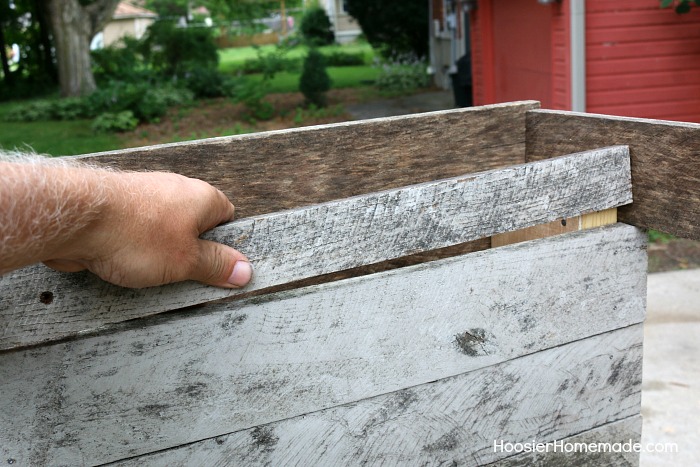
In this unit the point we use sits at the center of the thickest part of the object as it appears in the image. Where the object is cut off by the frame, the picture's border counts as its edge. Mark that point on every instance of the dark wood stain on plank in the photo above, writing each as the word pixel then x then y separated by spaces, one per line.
pixel 272 171
pixel 665 162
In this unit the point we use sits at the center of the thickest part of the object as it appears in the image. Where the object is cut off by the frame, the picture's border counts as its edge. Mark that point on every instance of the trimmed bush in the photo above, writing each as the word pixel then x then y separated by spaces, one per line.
pixel 314 81
pixel 316 27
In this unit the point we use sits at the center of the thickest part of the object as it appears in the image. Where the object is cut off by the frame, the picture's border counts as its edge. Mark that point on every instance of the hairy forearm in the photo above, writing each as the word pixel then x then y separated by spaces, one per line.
pixel 131 229
pixel 44 203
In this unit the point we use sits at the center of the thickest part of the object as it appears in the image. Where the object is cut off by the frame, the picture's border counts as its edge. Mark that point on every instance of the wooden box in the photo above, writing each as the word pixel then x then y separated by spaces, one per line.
pixel 381 327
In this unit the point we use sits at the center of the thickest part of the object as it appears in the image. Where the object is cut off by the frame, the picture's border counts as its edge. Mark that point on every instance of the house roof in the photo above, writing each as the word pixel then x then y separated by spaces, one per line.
pixel 127 10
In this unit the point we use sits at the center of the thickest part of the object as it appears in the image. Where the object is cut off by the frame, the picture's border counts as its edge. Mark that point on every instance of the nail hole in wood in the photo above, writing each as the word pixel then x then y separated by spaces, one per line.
pixel 46 298
pixel 563 222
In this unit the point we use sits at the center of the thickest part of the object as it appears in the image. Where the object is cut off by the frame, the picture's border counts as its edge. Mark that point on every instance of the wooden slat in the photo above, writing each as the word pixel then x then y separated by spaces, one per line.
pixel 665 162
pixel 189 376
pixel 271 171
pixel 549 395
pixel 321 239
pixel 558 227
pixel 620 432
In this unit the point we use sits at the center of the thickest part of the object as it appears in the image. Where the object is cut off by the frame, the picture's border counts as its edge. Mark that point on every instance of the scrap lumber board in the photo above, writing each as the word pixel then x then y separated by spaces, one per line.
pixel 558 227
pixel 176 379
pixel 271 171
pixel 261 446
pixel 552 394
pixel 321 239
pixel 619 432
pixel 665 162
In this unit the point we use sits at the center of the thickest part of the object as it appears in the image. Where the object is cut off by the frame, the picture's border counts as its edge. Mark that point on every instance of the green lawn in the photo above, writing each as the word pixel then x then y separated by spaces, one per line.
pixel 76 137
pixel 231 60
pixel 58 138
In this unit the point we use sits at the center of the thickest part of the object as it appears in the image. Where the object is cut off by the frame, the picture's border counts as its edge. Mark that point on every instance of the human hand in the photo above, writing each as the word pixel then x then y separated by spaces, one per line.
pixel 146 234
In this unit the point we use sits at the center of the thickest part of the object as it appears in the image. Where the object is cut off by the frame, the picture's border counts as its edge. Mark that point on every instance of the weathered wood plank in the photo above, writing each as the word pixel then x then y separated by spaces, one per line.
pixel 665 162
pixel 189 376
pixel 271 171
pixel 321 239
pixel 548 395
pixel 623 431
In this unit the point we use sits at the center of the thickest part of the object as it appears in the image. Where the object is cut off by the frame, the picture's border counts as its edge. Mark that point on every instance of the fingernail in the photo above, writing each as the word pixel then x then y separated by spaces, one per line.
pixel 242 273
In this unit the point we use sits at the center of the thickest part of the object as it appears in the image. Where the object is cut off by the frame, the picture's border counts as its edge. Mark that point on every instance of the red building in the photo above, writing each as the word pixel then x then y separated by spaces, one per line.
pixel 621 57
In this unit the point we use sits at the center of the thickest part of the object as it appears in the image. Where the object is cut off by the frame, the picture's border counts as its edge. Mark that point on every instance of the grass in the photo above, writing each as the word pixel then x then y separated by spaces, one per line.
pixel 231 60
pixel 76 137
pixel 58 138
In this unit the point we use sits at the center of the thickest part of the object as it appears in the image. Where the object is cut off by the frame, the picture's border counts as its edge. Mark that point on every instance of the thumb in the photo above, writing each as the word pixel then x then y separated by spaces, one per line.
pixel 221 266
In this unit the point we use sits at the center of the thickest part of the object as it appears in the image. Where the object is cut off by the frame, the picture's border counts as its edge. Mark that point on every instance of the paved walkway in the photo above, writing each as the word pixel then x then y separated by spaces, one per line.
pixel 671 375
pixel 424 102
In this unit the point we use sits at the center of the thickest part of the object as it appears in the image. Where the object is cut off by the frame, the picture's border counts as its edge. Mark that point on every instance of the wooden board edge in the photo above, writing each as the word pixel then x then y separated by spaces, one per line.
pixel 348 427
pixel 517 106
pixel 92 303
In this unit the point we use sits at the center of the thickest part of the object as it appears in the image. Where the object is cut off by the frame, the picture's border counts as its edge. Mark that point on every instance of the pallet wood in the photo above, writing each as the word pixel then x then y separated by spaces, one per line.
pixel 665 162
pixel 623 431
pixel 557 227
pixel 272 171
pixel 321 239
pixel 187 377
pixel 549 395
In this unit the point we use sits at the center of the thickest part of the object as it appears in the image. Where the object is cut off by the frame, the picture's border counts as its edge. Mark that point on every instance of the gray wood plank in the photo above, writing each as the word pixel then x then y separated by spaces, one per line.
pixel 271 171
pixel 321 239
pixel 628 430
pixel 549 395
pixel 665 162
pixel 184 377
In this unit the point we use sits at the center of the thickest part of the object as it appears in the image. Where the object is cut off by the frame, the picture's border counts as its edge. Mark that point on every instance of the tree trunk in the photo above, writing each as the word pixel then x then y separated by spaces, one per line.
pixel 73 27
pixel 47 62
pixel 3 57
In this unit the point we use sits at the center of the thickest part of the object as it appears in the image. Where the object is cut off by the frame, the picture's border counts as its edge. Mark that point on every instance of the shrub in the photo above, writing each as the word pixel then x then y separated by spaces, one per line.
pixel 264 65
pixel 252 95
pixel 35 111
pixel 207 82
pixel 402 76
pixel 157 100
pixel 316 27
pixel 145 101
pixel 271 63
pixel 121 62
pixel 69 108
pixel 314 81
pixel 173 51
pixel 340 58
pixel 118 121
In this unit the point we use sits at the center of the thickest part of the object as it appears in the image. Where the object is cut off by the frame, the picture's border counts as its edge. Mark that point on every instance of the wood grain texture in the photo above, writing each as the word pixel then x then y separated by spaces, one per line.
pixel 272 171
pixel 548 395
pixel 321 239
pixel 557 227
pixel 185 377
pixel 665 162
pixel 622 431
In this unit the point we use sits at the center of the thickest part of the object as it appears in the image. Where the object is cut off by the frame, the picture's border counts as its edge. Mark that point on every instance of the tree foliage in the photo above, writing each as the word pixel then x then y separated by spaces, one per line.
pixel 316 27
pixel 681 6
pixel 26 24
pixel 395 27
